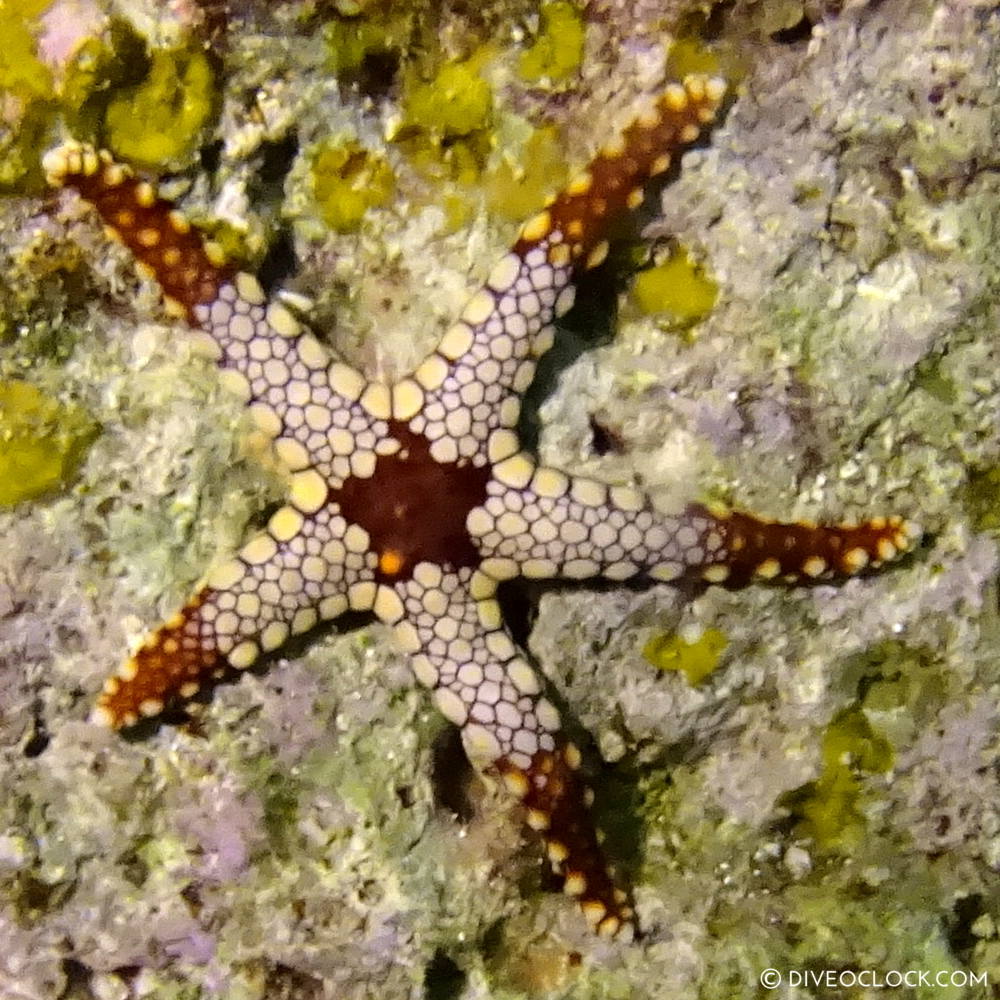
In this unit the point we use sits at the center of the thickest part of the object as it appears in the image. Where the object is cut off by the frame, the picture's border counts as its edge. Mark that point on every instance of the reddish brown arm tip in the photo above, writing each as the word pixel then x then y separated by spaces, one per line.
pixel 613 183
pixel 756 549
pixel 173 662
pixel 556 801
pixel 187 267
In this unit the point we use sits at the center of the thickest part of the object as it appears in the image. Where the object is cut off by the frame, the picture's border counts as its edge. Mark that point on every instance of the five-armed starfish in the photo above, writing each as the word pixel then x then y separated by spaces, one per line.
pixel 415 501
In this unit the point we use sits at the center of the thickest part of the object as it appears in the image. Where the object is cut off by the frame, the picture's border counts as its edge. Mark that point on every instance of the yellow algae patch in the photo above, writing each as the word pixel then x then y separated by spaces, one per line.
pixel 22 73
pixel 354 36
pixel 160 121
pixel 696 660
pixel 41 442
pixel 518 186
pixel 558 48
pixel 679 287
pixel 26 91
pixel 456 102
pixel 689 55
pixel 347 181
pixel 446 131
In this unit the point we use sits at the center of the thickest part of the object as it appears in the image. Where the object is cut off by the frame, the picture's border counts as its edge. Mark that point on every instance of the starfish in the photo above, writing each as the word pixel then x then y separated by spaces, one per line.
pixel 414 500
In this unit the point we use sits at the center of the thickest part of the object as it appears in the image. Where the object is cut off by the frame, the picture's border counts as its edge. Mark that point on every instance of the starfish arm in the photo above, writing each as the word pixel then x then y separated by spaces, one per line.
pixel 539 522
pixel 450 625
pixel 465 396
pixel 301 569
pixel 312 408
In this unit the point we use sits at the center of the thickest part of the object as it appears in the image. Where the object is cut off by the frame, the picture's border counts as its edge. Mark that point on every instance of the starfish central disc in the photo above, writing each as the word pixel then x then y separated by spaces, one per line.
pixel 414 507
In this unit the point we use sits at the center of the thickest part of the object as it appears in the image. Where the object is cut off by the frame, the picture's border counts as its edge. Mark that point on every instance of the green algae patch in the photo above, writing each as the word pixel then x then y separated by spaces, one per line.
pixel 679 287
pixel 906 693
pixel 981 499
pixel 829 810
pixel 520 963
pixel 778 15
pixel 459 163
pixel 690 55
pixel 21 148
pixel 695 660
pixel 348 180
pixel 899 688
pixel 931 377
pixel 557 51
pixel 159 121
pixel 353 39
pixel 89 65
pixel 455 103
pixel 847 923
pixel 102 69
pixel 899 692
pixel 517 187
pixel 674 805
pixel 41 442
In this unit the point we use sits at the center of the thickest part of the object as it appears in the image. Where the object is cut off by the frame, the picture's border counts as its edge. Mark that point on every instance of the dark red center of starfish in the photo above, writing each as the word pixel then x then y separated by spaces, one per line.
pixel 414 507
